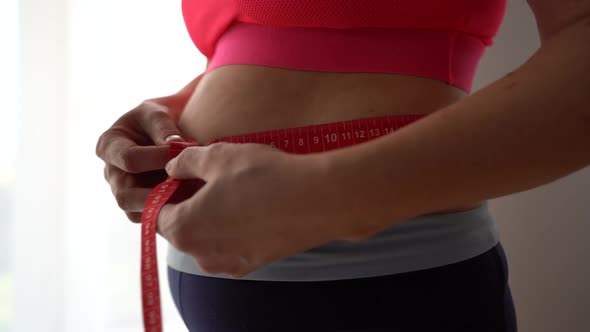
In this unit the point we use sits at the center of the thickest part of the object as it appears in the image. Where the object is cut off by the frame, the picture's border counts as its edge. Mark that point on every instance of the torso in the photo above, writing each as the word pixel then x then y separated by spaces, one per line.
pixel 239 99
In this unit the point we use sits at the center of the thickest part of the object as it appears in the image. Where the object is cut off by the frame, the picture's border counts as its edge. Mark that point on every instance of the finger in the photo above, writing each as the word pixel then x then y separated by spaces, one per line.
pixel 131 199
pixel 158 124
pixel 189 163
pixel 134 217
pixel 170 226
pixel 239 269
pixel 129 196
pixel 165 218
pixel 115 148
pixel 118 178
pixel 177 221
pixel 150 179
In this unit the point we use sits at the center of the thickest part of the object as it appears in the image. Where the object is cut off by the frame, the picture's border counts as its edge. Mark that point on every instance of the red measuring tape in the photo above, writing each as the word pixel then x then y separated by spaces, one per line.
pixel 309 139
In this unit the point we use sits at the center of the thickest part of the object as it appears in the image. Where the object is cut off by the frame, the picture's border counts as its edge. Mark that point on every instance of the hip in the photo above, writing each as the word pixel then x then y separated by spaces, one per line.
pixel 470 295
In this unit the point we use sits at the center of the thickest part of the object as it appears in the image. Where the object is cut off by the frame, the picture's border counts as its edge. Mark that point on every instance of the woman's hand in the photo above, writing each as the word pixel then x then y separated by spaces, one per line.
pixel 135 152
pixel 258 205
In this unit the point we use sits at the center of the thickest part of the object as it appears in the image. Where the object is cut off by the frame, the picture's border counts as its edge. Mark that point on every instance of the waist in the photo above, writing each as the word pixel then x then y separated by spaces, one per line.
pixel 427 241
pixel 240 99
pixel 234 100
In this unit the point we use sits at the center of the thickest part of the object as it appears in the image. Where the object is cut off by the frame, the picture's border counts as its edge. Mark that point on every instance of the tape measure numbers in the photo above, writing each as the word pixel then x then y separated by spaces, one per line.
pixel 299 140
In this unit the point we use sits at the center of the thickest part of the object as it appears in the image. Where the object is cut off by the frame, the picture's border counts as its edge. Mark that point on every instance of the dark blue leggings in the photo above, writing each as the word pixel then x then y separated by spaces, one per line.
pixel 472 295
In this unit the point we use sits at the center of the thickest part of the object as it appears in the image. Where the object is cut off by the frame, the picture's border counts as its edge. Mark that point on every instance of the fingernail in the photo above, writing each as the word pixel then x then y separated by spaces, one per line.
pixel 170 138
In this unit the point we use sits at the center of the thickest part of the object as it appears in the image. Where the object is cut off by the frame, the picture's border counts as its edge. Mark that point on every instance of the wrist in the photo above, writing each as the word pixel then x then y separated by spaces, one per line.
pixel 338 182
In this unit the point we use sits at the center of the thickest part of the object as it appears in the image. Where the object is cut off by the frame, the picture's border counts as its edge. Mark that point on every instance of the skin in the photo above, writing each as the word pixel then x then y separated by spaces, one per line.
pixel 524 130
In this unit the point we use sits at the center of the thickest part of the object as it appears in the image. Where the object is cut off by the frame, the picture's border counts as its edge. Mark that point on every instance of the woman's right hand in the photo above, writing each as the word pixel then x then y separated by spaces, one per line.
pixel 135 151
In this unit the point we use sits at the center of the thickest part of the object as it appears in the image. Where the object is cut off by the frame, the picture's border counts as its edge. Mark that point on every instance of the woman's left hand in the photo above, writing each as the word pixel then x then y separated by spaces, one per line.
pixel 258 205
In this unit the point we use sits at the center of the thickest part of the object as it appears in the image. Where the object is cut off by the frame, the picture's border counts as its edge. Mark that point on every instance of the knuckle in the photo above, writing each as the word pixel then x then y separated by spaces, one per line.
pixel 158 113
pixel 129 164
pixel 217 147
pixel 183 158
pixel 187 159
pixel 122 198
pixel 109 137
pixel 212 157
pixel 135 114
pixel 109 148
pixel 149 105
pixel 101 144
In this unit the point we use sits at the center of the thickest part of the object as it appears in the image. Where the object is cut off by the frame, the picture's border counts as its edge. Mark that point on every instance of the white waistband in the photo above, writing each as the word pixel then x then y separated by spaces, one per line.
pixel 419 243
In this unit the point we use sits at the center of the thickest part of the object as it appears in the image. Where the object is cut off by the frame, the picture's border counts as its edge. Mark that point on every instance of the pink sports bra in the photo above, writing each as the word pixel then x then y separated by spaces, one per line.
pixel 442 40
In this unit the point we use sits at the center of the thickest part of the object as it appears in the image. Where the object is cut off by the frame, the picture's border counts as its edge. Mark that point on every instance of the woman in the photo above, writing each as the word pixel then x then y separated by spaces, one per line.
pixel 381 235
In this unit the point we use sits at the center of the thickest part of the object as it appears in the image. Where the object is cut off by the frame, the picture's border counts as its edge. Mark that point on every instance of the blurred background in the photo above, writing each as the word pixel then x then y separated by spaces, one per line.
pixel 69 259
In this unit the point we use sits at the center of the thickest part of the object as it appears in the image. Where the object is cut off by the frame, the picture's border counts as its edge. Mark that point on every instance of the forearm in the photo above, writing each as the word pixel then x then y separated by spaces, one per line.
pixel 525 130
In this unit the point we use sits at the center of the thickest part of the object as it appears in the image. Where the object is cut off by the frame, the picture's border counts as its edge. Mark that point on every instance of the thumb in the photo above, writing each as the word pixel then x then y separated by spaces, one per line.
pixel 158 123
pixel 187 164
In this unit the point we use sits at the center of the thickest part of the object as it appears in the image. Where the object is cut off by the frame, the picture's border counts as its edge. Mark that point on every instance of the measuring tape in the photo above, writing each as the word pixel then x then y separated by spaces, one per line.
pixel 300 140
